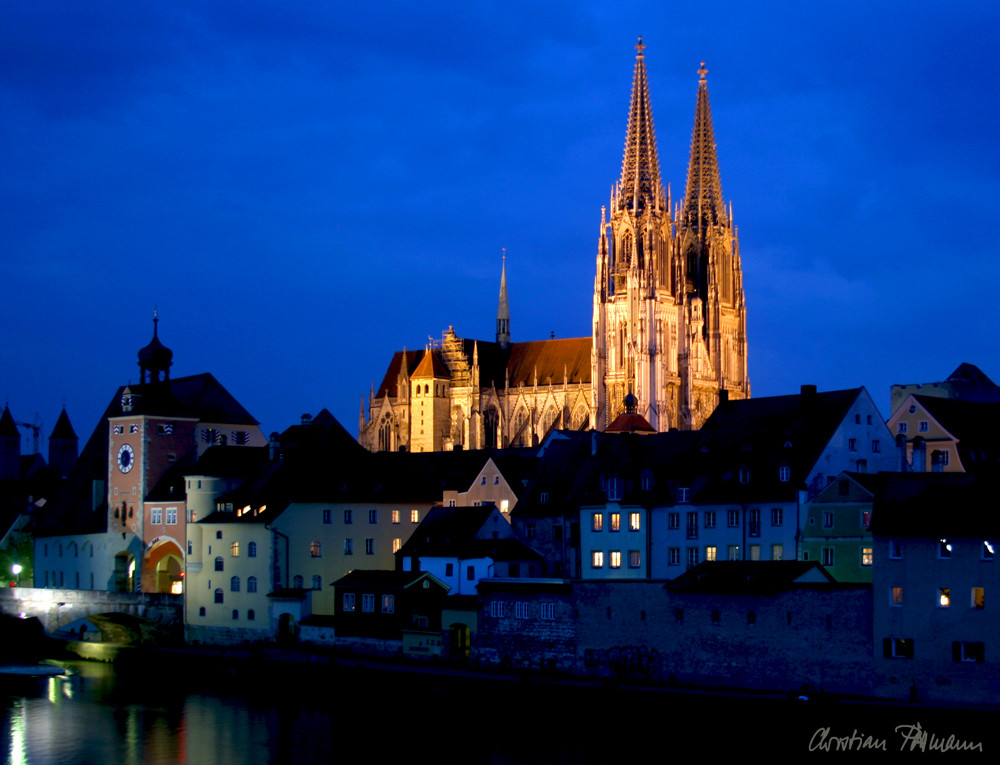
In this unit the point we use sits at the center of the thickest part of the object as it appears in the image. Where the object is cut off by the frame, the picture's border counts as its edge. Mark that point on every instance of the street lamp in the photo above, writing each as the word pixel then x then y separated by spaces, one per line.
pixel 16 569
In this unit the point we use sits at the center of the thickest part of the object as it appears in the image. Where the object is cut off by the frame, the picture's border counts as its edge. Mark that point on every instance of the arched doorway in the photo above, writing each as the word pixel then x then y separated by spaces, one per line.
pixel 163 567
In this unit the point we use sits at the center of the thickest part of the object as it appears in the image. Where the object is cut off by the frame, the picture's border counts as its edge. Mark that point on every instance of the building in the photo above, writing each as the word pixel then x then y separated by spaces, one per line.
pixel 669 323
pixel 966 383
pixel 835 530
pixel 753 465
pixel 122 510
pixel 939 434
pixel 935 627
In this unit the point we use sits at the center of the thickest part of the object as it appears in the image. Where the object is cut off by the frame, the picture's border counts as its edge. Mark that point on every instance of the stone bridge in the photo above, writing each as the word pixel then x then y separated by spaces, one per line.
pixel 56 609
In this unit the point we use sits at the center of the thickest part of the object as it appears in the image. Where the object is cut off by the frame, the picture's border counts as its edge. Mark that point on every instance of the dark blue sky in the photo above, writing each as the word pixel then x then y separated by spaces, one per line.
pixel 304 188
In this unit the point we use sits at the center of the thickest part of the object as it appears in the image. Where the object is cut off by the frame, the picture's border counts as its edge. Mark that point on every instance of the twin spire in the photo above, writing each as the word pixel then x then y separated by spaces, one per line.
pixel 640 186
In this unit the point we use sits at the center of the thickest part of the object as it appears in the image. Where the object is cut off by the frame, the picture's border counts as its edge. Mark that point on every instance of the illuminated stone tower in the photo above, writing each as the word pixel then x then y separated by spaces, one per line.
pixel 669 317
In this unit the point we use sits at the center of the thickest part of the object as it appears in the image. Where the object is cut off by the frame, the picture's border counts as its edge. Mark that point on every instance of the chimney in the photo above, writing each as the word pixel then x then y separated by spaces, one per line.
pixel 919 455
pixel 307 418
pixel 273 446
pixel 904 464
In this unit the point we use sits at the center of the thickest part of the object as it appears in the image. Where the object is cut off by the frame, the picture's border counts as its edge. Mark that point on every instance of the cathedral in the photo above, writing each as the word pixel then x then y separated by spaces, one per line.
pixel 669 323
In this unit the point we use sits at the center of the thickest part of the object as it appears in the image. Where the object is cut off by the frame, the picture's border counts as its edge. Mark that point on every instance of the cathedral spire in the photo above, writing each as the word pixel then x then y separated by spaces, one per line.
pixel 503 309
pixel 639 186
pixel 703 205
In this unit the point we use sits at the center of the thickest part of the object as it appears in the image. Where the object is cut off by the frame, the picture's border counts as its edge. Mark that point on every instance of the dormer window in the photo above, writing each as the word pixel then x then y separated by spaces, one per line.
pixel 683 494
pixel 616 489
pixel 784 474
pixel 744 474
pixel 646 480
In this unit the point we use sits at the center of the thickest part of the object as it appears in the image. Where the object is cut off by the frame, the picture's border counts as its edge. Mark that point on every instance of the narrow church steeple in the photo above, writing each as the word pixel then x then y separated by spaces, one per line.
pixel 503 309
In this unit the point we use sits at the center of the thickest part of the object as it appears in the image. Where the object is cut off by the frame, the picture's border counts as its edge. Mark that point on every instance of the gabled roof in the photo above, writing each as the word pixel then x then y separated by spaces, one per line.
pixel 937 505
pixel 749 577
pixel 974 425
pixel 431 366
pixel 458 532
pixel 386 579
pixel 8 429
pixel 63 428
pixel 763 435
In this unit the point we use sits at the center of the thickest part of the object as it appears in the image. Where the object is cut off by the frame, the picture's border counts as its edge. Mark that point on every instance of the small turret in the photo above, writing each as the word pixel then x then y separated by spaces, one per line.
pixel 63 445
pixel 155 359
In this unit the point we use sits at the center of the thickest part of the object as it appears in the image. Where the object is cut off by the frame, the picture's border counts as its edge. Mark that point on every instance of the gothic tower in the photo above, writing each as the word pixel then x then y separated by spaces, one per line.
pixel 709 255
pixel 669 318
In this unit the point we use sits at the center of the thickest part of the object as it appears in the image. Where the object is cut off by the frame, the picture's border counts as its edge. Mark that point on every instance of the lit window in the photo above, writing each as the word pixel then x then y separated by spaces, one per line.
pixel 711 553
pixel 634 521
pixel 896 596
pixel 396 544
pixel 388 604
pixel 616 521
pixel 978 597
pixel 597 559
pixel 754 552
pixel 867 556
pixel 616 559
pixel 597 522
pixel 634 559
pixel 777 552
pixel 234 549
pixel 315 550
pixel 414 516
pixel 734 552
pixel 395 516
pixel 348 601
pixel 944 597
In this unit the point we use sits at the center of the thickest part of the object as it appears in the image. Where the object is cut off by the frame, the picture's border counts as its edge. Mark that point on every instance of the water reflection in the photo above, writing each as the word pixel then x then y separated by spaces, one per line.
pixel 151 715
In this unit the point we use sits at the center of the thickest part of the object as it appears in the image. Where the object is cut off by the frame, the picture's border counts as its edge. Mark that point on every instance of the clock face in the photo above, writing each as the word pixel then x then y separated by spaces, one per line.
pixel 126 458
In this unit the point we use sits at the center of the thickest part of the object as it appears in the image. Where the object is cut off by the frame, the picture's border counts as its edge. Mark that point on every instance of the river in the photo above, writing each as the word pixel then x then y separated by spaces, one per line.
pixel 100 714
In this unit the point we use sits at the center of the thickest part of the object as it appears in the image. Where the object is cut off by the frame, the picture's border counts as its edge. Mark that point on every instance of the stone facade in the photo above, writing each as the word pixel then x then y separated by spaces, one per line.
pixel 669 324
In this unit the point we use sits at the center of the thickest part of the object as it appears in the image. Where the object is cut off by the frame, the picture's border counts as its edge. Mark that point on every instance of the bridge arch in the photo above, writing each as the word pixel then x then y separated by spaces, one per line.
pixel 163 566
